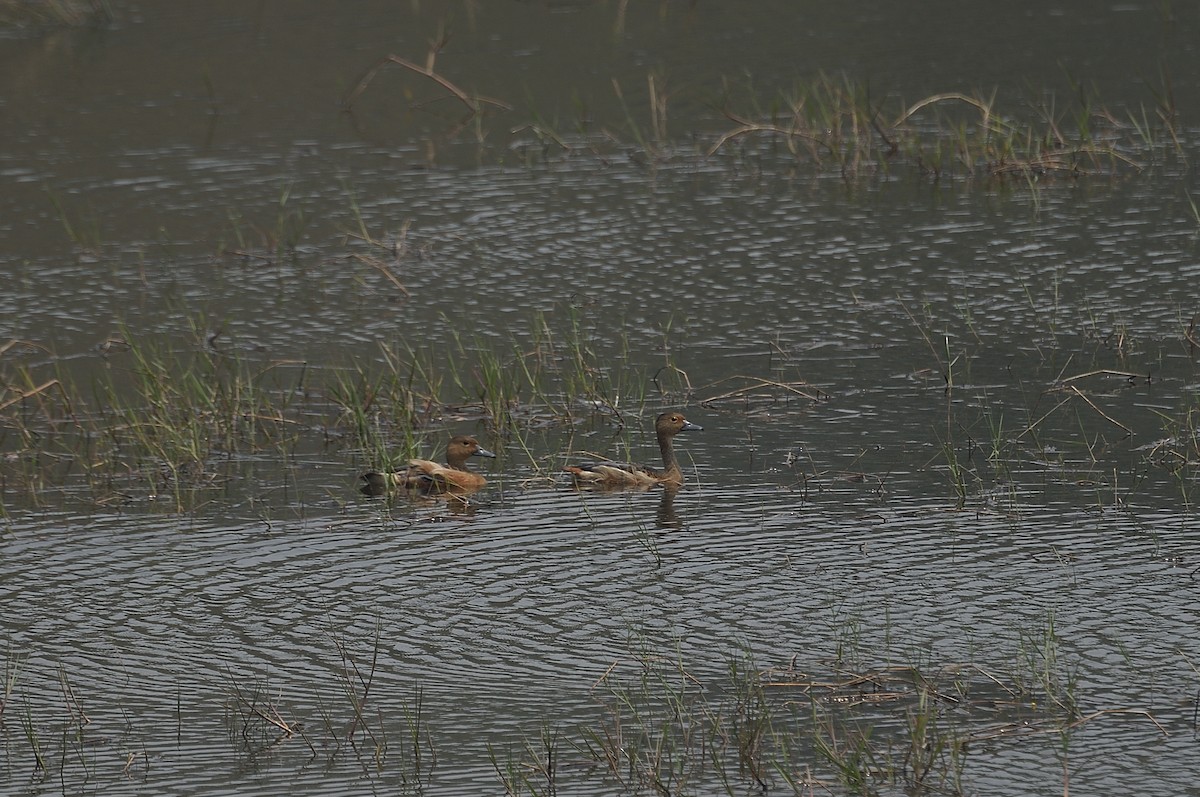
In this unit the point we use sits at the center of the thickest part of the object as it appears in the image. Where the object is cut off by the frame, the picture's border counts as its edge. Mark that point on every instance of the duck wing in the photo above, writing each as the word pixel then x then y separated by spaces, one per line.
pixel 612 473
pixel 416 475
pixel 451 480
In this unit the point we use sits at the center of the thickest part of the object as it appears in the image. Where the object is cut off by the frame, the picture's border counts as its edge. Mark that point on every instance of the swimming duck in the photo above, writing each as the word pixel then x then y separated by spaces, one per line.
pixel 428 476
pixel 624 474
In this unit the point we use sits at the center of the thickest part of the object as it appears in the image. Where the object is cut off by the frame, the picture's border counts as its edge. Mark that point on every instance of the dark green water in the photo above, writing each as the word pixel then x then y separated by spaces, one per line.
pixel 177 145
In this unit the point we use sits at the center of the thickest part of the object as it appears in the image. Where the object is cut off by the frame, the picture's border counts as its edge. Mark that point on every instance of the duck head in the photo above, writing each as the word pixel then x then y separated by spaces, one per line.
pixel 463 447
pixel 672 423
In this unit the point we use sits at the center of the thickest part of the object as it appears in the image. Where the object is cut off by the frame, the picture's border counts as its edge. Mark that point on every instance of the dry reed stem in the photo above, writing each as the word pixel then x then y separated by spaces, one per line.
pixel 758 383
pixel 15 342
pixel 24 394
pixel 71 699
pixel 473 103
pixel 604 675
pixel 1100 412
pixel 127 770
pixel 1130 375
pixel 746 126
pixel 1012 730
pixel 358 702
pixel 687 381
pixel 1189 334
pixel 274 718
pixel 383 269
pixel 984 108
pixel 542 132
pixel 1038 422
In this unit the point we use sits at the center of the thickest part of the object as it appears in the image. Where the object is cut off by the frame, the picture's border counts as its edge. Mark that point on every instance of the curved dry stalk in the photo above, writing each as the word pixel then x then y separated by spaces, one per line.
pixel 36 391
pixel 677 370
pixel 1099 411
pixel 1189 334
pixel 746 126
pixel 1038 422
pixel 542 133
pixel 14 343
pixel 1018 730
pixel 1105 712
pixel 1128 375
pixel 383 269
pixel 1063 161
pixel 758 383
pixel 473 103
pixel 984 108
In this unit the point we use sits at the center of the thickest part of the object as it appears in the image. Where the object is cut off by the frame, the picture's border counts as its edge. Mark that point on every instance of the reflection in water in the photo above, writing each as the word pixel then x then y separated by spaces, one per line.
pixel 456 501
pixel 668 518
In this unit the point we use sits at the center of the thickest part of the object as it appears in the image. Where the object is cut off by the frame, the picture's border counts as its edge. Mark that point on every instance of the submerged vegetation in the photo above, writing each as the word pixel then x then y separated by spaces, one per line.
pixel 846 726
pixel 176 426
pixel 829 122
pixel 834 122
pixel 176 422
pixel 849 728
pixel 979 401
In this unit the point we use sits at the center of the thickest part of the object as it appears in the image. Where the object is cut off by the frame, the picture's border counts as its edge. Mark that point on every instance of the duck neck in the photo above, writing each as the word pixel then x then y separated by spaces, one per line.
pixel 670 464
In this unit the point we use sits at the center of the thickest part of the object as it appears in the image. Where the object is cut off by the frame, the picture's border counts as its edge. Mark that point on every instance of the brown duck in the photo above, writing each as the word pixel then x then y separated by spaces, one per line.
pixel 428 476
pixel 624 474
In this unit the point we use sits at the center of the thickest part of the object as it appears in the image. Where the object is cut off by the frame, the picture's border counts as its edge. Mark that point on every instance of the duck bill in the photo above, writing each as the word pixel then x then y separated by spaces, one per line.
pixel 483 452
pixel 688 426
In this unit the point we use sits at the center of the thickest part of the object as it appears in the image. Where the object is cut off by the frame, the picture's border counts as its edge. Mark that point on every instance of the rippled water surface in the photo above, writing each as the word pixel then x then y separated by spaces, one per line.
pixel 948 425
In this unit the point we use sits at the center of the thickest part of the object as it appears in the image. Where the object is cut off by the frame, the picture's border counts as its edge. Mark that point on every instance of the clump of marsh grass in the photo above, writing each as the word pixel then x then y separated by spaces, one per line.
pixel 174 419
pixel 650 734
pixel 54 731
pixel 172 416
pixel 366 731
pixel 83 228
pixel 272 242
pixel 12 670
pixel 157 420
pixel 1043 674
pixel 1177 451
pixel 256 719
pixel 43 429
pixel 350 721
pixel 550 376
pixel 165 418
pixel 475 106
pixel 663 727
pixel 534 769
pixel 830 122
pixel 382 409
pixel 1069 420
pixel 835 122
pixel 916 726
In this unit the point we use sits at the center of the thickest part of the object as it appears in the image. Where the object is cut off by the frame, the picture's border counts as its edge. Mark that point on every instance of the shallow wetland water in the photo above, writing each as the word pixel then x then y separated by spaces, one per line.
pixel 937 536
